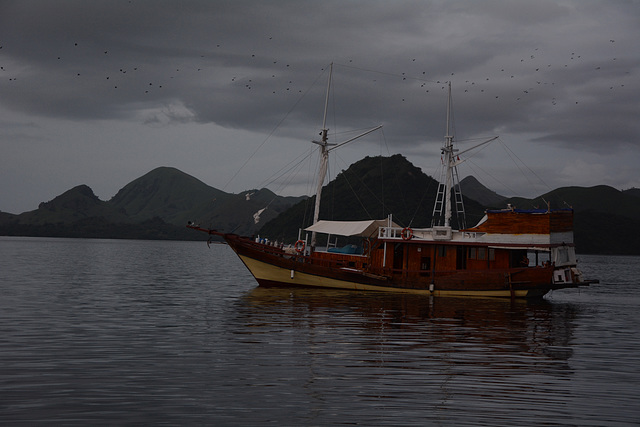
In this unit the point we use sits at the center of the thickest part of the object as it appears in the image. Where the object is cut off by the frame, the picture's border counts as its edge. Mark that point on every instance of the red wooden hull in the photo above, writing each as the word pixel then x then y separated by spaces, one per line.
pixel 271 266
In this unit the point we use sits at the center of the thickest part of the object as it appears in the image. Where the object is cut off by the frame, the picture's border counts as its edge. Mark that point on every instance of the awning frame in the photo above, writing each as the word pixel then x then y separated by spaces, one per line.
pixel 365 229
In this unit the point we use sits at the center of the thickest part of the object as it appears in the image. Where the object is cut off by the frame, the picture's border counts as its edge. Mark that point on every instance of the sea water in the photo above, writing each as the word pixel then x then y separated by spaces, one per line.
pixel 159 332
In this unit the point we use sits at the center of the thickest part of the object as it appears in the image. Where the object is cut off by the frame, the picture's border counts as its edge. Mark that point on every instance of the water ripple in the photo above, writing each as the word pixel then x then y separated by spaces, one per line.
pixel 130 332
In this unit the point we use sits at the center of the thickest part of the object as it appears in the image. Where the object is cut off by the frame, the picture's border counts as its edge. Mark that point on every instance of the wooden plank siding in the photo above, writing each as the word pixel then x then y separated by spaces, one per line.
pixel 511 222
pixel 422 260
pixel 338 260
pixel 271 266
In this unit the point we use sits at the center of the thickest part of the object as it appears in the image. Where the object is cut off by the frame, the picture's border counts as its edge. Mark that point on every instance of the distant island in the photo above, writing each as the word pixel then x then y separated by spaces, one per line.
pixel 155 206
pixel 159 204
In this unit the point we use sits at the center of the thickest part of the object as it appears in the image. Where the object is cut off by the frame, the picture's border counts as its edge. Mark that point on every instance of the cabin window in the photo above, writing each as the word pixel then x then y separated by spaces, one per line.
pixel 461 260
pixel 398 256
pixel 442 251
pixel 518 258
pixel 543 257
pixel 482 254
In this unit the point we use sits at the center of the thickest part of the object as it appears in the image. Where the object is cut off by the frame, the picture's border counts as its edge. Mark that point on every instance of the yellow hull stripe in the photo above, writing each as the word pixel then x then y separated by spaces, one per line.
pixel 264 271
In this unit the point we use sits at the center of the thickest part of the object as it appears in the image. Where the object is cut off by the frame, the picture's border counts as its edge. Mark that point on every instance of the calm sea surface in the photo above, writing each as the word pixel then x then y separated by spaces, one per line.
pixel 141 332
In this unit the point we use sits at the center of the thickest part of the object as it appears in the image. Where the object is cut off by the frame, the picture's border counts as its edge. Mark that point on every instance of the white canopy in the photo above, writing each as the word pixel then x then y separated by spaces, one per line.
pixel 349 228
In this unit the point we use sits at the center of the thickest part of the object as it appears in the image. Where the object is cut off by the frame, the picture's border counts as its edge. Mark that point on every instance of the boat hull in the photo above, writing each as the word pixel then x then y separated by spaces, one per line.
pixel 269 275
pixel 271 267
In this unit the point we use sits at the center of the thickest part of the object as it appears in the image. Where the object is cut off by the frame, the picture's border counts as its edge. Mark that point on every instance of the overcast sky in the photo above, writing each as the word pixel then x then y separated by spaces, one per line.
pixel 232 92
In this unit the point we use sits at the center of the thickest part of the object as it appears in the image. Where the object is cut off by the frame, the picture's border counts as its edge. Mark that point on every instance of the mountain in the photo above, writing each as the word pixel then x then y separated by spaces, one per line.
pixel 371 188
pixel 606 220
pixel 177 198
pixel 632 192
pixel 159 204
pixel 73 205
pixel 473 189
pixel 164 192
pixel 600 198
pixel 79 213
pixel 242 213
pixel 154 206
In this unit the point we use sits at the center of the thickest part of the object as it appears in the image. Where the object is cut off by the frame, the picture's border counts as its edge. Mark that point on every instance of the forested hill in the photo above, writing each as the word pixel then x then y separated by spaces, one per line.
pixel 371 188
pixel 606 220
pixel 159 204
pixel 154 206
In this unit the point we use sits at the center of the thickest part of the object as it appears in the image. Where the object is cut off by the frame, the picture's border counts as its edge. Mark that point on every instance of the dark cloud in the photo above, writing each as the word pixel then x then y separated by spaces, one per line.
pixel 558 74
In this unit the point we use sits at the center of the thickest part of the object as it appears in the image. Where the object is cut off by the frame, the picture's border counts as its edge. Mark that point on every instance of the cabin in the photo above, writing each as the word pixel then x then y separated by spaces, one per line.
pixel 502 241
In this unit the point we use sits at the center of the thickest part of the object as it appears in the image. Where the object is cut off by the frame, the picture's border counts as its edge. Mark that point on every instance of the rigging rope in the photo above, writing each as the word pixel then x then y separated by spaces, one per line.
pixel 356 194
pixel 274 129
pixel 525 165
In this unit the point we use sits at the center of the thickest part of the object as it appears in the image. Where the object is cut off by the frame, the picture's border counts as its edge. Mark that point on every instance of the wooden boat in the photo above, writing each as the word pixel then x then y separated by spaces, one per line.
pixel 509 253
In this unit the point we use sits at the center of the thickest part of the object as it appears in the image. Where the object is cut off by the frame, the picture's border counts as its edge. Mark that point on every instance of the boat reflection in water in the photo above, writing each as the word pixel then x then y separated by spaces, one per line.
pixel 490 326
pixel 383 358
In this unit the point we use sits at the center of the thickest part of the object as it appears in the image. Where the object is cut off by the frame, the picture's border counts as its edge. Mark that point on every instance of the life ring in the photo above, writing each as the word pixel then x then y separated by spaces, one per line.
pixel 299 246
pixel 407 233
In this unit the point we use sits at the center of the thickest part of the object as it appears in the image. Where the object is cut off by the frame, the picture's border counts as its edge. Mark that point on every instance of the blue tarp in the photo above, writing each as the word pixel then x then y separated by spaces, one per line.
pixel 348 249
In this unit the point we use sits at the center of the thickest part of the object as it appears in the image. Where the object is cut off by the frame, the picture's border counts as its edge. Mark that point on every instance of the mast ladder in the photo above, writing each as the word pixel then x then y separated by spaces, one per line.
pixel 457 192
pixel 438 206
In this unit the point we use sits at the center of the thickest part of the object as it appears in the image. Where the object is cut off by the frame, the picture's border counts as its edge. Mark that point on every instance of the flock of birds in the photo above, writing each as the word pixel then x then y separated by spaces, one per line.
pixel 530 72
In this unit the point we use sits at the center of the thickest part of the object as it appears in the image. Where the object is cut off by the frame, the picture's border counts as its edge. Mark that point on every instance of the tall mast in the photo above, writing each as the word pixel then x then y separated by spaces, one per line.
pixel 449 160
pixel 325 148
pixel 449 179
pixel 324 158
